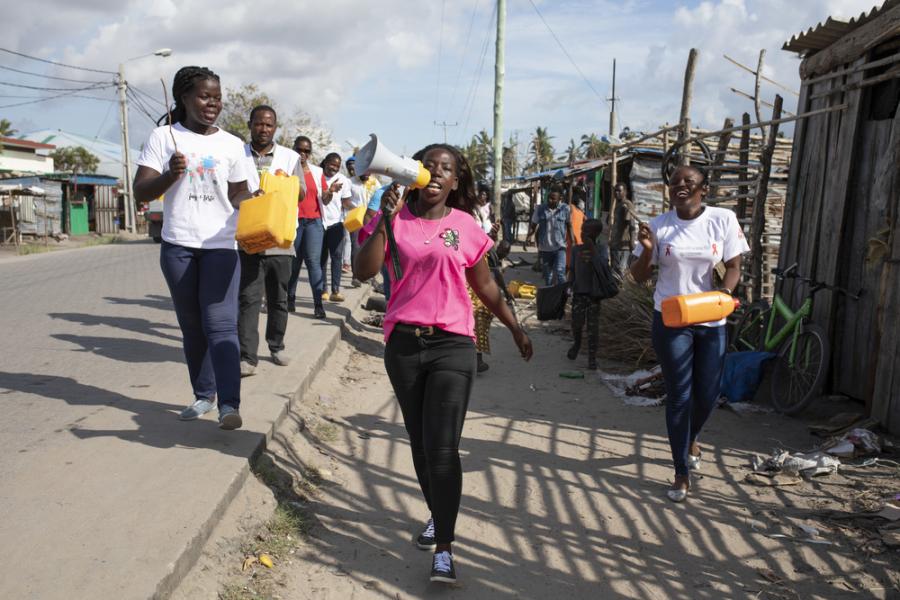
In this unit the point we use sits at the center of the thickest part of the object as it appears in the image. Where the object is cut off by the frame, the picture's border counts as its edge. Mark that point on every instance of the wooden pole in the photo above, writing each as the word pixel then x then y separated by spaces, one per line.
pixel 613 180
pixel 721 151
pixel 665 188
pixel 743 176
pixel 772 81
pixel 756 98
pixel 759 203
pixel 499 72
pixel 686 97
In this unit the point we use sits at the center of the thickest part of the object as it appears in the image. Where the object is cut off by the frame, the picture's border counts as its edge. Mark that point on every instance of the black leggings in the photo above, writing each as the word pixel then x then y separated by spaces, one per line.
pixel 432 379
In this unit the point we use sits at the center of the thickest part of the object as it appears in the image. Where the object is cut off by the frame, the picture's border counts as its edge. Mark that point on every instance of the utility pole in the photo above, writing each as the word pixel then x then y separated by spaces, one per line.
pixel 445 125
pixel 126 154
pixel 613 126
pixel 499 71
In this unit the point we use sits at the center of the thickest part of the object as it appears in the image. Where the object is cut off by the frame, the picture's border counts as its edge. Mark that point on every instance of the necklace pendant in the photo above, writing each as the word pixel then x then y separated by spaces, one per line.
pixel 427 241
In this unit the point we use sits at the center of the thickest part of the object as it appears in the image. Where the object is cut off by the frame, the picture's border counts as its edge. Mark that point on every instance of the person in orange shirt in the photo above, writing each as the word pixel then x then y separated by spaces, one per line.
pixel 573 237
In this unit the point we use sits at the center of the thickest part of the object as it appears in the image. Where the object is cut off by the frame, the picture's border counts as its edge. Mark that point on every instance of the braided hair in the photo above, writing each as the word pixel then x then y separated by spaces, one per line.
pixel 185 80
pixel 463 197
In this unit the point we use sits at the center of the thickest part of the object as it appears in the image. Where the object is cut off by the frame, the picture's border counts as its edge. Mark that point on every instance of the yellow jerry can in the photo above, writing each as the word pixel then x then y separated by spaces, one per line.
pixel 270 220
pixel 354 220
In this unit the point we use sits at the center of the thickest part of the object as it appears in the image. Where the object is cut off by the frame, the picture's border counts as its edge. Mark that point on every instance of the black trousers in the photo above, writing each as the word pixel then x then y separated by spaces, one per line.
pixel 432 378
pixel 258 272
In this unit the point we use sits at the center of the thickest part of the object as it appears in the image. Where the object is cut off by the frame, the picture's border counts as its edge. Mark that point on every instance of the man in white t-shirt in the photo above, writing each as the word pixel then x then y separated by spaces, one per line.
pixel 269 270
pixel 360 193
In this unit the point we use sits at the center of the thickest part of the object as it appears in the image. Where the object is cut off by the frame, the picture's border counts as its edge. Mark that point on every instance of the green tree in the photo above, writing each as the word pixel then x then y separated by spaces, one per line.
pixel 593 147
pixel 540 150
pixel 238 103
pixel 74 159
pixel 479 154
pixel 6 128
pixel 573 152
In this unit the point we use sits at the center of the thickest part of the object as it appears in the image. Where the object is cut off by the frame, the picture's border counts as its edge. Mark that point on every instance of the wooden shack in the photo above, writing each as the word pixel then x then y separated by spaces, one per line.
pixel 842 224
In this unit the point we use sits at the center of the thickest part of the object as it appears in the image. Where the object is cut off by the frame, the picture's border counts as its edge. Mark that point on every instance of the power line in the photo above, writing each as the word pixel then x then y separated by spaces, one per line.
pixel 437 83
pixel 103 122
pixel 67 94
pixel 462 59
pixel 566 52
pixel 131 86
pixel 140 105
pixel 47 76
pixel 49 89
pixel 473 90
pixel 58 64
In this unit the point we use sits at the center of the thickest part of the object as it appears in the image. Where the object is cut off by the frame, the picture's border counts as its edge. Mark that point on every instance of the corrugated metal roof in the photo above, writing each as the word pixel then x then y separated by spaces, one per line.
pixel 828 32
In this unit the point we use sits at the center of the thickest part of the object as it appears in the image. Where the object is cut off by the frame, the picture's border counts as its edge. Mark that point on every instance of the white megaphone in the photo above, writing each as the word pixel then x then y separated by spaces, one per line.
pixel 374 157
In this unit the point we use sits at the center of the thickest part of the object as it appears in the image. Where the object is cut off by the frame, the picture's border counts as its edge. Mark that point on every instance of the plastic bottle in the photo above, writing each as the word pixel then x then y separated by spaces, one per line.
pixel 693 309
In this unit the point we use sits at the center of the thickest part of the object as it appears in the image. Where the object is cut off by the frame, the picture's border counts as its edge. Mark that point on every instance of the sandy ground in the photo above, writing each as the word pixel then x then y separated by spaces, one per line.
pixel 564 496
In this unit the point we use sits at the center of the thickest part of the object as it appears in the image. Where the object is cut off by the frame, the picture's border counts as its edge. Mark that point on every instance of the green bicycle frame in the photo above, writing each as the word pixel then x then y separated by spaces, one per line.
pixel 790 328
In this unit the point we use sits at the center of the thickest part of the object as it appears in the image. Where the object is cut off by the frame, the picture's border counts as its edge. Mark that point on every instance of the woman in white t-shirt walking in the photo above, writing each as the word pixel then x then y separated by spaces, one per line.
pixel 333 222
pixel 200 170
pixel 686 244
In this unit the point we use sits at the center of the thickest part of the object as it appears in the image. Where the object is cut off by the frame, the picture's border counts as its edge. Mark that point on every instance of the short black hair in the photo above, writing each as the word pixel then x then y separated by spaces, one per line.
pixel 263 108
pixel 302 138
pixel 593 223
pixel 328 157
pixel 702 171
pixel 556 189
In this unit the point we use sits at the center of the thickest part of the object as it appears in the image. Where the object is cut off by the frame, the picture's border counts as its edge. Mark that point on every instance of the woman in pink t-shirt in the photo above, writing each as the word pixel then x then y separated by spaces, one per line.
pixel 429 327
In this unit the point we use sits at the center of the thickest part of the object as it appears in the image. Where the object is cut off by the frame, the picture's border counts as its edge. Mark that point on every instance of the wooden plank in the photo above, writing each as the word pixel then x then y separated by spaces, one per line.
pixel 885 397
pixel 853 45
pixel 759 203
pixel 798 117
pixel 863 67
pixel 835 199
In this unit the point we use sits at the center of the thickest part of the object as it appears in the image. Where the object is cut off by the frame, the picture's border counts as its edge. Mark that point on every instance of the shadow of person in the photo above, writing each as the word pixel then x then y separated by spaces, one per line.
pixel 122 349
pixel 148 301
pixel 133 324
pixel 156 423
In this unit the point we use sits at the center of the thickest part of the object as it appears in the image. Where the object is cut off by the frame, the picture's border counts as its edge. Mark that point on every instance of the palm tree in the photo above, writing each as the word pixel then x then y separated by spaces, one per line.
pixel 573 152
pixel 511 157
pixel 478 154
pixel 594 147
pixel 540 149
pixel 6 128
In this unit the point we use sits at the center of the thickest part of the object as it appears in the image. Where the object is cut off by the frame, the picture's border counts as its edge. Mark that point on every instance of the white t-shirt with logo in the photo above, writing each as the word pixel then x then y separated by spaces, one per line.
pixel 332 213
pixel 687 251
pixel 196 210
pixel 284 159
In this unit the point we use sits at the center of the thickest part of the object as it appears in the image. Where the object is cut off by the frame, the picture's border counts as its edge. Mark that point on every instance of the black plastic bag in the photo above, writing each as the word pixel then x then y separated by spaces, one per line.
pixel 551 302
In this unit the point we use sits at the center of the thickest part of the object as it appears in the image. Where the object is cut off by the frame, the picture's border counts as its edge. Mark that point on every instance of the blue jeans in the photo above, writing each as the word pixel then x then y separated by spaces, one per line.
pixel 333 247
pixel 308 246
pixel 508 230
pixel 553 263
pixel 204 286
pixel 692 359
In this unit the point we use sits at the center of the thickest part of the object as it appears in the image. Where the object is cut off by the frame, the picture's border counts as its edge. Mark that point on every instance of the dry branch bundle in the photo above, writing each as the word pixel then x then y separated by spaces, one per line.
pixel 625 322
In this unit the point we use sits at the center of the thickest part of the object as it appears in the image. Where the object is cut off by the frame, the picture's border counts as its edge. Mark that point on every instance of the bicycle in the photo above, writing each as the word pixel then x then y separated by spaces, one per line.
pixel 802 347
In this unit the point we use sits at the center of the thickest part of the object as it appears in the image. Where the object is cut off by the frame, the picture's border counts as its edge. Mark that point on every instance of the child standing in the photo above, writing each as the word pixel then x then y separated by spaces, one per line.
pixel 586 259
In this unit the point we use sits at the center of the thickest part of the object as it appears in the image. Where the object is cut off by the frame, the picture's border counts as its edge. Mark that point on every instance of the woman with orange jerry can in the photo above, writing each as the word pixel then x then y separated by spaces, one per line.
pixel 686 244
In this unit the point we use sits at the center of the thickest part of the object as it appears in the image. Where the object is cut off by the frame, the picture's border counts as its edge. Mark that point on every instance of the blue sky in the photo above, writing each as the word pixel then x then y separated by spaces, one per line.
pixel 395 66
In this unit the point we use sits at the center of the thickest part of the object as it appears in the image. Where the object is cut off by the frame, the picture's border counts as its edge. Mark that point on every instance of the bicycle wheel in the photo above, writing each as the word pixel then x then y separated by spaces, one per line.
pixel 750 331
pixel 795 385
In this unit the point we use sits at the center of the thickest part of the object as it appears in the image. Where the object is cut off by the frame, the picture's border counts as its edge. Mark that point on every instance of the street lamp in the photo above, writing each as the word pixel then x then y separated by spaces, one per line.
pixel 130 216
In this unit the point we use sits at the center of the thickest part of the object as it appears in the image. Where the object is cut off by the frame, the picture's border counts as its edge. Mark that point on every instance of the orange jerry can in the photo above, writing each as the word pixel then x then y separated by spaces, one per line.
pixel 269 221
pixel 693 309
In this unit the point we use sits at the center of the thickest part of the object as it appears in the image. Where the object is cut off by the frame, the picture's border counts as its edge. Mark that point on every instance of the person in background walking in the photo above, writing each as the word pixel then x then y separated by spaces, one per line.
pixel 587 258
pixel 553 224
pixel 483 315
pixel 576 218
pixel 508 216
pixel 310 231
pixel 359 195
pixel 269 270
pixel 429 328
pixel 686 244
pixel 201 171
pixel 371 210
pixel 333 221
pixel 624 230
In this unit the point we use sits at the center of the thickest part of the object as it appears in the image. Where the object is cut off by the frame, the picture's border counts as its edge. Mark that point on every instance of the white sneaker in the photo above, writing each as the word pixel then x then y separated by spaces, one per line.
pixel 442 569
pixel 196 410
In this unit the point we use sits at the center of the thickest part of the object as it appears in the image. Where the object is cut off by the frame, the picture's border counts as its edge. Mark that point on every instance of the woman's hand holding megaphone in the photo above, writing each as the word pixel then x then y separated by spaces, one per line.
pixel 392 200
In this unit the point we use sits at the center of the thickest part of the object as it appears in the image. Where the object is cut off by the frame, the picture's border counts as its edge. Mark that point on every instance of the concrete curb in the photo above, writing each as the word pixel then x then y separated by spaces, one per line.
pixel 192 551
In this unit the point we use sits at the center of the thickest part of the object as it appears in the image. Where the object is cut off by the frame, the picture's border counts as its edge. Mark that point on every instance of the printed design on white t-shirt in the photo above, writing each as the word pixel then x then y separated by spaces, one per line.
pixel 201 172
pixel 451 238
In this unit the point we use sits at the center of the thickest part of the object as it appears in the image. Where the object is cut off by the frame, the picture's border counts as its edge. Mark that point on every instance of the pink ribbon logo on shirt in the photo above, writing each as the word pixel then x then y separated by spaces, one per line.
pixel 715 250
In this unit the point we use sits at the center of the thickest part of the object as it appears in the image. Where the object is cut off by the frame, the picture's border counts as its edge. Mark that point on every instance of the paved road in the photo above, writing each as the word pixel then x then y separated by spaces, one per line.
pixel 105 493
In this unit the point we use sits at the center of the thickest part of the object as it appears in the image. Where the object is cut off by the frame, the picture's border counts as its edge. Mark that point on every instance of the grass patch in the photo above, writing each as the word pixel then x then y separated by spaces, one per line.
pixel 251 590
pixel 325 431
pixel 26 249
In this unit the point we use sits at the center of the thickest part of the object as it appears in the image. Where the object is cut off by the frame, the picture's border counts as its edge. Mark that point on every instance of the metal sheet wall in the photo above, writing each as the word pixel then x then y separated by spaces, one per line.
pixel 106 209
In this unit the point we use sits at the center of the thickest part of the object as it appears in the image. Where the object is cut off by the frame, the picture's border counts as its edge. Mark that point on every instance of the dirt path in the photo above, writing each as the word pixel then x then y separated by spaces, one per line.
pixel 563 497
